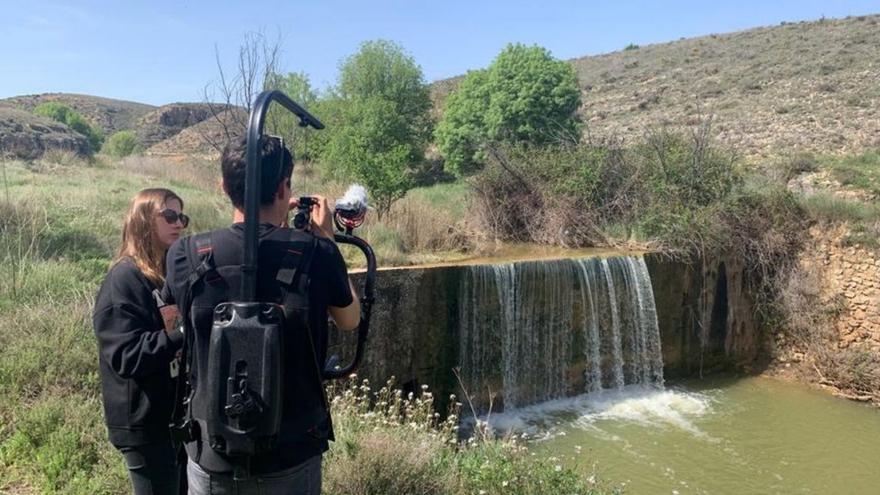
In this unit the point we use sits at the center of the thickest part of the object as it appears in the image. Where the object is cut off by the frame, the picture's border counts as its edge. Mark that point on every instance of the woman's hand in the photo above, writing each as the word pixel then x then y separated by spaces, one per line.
pixel 170 314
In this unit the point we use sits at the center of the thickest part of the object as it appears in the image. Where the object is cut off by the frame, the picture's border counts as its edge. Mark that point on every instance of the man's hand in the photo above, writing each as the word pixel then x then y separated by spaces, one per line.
pixel 321 216
pixel 170 314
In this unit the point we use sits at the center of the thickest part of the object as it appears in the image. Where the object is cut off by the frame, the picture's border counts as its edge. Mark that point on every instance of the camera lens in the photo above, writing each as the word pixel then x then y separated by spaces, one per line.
pixel 300 220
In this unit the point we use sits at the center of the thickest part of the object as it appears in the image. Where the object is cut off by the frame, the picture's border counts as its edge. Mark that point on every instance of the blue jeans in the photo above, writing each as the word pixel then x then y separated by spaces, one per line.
pixel 302 479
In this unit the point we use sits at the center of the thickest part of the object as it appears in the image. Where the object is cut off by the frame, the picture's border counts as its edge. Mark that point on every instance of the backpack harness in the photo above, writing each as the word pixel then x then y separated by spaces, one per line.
pixel 235 404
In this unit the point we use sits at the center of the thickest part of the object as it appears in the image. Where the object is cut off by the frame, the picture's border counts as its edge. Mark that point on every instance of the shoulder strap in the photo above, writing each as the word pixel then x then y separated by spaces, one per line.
pixel 293 274
pixel 199 254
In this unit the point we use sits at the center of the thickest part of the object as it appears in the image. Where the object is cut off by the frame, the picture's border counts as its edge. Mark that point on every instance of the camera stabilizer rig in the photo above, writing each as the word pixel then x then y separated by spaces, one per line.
pixel 347 217
pixel 245 358
pixel 349 214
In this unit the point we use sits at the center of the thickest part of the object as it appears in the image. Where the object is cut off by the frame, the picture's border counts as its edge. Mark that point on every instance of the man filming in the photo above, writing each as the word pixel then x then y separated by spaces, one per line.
pixel 291 464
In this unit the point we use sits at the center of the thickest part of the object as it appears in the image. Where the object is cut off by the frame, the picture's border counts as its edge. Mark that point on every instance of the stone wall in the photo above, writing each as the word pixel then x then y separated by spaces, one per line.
pixel 851 283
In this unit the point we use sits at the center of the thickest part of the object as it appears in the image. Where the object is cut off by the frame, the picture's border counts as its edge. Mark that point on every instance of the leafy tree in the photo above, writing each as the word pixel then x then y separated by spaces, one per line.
pixel 71 118
pixel 306 143
pixel 382 69
pixel 121 144
pixel 54 110
pixel 367 149
pixel 524 97
pixel 380 121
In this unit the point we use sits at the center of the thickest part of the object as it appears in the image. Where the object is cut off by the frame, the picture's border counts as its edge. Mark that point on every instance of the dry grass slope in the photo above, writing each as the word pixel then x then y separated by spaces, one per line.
pixel 770 90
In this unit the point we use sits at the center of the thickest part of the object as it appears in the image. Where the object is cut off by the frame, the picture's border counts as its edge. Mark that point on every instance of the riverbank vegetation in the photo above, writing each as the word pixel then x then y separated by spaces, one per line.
pixel 677 192
pixel 59 225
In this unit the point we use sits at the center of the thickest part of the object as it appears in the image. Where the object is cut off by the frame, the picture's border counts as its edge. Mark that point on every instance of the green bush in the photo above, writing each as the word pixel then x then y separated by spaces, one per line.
pixel 121 144
pixel 71 118
pixel 669 188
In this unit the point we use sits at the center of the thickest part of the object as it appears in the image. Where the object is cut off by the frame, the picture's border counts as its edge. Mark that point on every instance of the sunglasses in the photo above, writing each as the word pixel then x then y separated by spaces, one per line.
pixel 172 217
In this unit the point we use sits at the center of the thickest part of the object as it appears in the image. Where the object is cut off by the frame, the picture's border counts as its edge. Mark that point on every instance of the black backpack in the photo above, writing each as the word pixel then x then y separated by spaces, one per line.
pixel 233 396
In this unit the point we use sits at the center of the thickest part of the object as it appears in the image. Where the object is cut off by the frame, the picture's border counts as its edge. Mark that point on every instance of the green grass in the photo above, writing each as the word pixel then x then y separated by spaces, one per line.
pixel 861 171
pixel 831 208
pixel 391 444
pixel 59 229
pixel 450 197
pixel 58 232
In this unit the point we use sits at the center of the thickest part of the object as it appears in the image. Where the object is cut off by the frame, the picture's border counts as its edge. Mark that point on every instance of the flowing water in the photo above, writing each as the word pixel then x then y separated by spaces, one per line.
pixel 541 330
pixel 571 350
pixel 715 436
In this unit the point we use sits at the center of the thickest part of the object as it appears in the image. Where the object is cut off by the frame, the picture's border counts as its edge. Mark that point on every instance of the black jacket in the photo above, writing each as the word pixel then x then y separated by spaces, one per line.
pixel 134 355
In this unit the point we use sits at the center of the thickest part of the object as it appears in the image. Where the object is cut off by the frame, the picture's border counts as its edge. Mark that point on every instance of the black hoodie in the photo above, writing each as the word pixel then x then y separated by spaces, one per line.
pixel 134 355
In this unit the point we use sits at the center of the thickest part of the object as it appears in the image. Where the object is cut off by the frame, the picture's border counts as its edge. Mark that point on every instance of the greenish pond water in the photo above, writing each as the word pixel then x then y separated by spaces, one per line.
pixel 715 436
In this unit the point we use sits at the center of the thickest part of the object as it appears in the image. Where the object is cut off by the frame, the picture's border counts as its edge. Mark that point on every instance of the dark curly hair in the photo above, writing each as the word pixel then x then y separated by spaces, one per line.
pixel 276 162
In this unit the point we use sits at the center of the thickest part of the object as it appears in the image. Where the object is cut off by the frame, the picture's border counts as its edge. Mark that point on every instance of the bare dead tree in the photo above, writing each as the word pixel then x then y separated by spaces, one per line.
pixel 231 96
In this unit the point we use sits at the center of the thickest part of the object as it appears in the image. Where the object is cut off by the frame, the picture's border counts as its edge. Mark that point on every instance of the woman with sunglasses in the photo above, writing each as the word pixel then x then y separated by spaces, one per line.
pixel 138 342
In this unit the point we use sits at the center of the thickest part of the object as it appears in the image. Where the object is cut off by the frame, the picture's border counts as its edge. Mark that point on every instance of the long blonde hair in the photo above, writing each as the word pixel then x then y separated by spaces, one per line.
pixel 140 241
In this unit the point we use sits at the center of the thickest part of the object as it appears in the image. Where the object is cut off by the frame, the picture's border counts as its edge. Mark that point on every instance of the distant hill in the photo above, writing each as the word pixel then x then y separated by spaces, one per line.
pixel 151 124
pixel 109 114
pixel 806 86
pixel 798 86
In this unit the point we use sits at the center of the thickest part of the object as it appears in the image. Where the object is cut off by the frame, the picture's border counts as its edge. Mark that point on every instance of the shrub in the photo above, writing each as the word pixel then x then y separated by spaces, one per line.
pixel 58 157
pixel 669 188
pixel 121 144
pixel 71 118
pixel 802 163
pixel 631 46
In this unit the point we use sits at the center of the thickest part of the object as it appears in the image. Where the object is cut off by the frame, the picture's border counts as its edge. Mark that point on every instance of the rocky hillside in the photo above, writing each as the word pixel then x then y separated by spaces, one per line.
pixel 108 114
pixel 151 124
pixel 205 138
pixel 168 120
pixel 25 135
pixel 801 86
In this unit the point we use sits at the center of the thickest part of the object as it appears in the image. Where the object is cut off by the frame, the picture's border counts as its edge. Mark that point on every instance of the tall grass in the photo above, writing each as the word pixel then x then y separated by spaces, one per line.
pixel 862 218
pixel 832 208
pixel 60 227
pixel 391 443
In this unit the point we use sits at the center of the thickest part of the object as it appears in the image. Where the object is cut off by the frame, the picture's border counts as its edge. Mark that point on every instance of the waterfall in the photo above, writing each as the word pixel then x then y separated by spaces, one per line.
pixel 539 330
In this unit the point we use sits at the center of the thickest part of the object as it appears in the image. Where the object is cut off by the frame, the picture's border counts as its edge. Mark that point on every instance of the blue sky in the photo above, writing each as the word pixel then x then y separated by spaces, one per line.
pixel 162 51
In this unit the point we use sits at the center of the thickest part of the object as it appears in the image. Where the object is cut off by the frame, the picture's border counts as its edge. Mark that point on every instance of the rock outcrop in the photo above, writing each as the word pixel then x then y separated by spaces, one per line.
pixel 168 120
pixel 27 136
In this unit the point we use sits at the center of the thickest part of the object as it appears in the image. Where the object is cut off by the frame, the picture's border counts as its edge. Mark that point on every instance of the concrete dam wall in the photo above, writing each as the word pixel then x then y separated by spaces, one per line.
pixel 522 332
